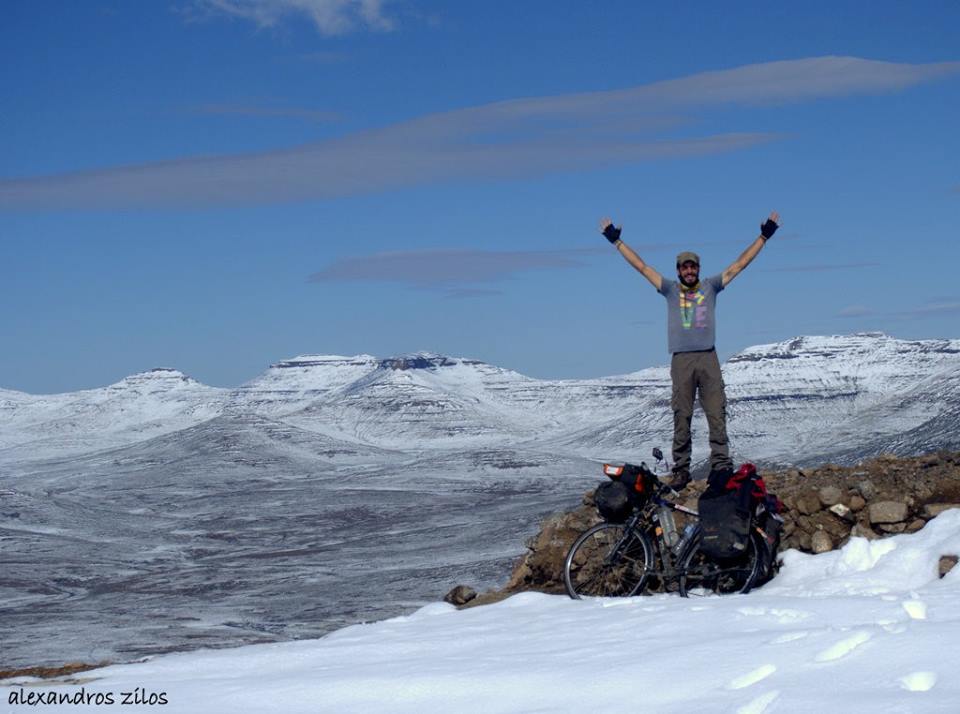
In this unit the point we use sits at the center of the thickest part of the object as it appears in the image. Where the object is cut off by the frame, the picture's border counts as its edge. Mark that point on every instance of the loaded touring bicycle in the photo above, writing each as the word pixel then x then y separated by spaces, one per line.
pixel 648 542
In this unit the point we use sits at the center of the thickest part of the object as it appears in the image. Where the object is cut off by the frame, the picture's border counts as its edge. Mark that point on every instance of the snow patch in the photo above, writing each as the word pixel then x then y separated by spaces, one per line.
pixel 546 653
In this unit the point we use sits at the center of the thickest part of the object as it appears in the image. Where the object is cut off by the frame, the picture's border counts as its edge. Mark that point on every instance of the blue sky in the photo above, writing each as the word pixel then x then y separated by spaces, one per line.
pixel 215 185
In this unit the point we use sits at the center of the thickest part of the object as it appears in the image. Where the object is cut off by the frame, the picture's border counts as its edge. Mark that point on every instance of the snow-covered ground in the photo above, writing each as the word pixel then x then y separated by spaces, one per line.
pixel 869 628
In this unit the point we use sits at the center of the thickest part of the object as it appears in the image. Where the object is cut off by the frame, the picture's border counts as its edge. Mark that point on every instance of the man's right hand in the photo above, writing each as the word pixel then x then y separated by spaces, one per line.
pixel 612 234
pixel 610 231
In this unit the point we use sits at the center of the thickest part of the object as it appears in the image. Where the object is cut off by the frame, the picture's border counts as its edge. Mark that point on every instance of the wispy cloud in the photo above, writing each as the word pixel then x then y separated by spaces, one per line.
pixel 932 309
pixel 820 267
pixel 515 138
pixel 457 273
pixel 252 110
pixel 856 311
pixel 331 17
pixel 468 293
pixel 947 306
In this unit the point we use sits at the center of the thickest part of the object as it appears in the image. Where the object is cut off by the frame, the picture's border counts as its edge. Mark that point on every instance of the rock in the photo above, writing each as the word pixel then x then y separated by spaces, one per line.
pixel 808 503
pixel 487 598
pixel 892 527
pixel 887 512
pixel 857 503
pixel 460 595
pixel 867 489
pixel 946 564
pixel 842 512
pixel 915 525
pixel 932 510
pixel 862 531
pixel 827 521
pixel 830 495
pixel 542 567
pixel 821 542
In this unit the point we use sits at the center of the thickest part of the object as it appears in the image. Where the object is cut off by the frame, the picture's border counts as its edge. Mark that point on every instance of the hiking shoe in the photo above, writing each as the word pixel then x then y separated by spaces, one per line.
pixel 679 480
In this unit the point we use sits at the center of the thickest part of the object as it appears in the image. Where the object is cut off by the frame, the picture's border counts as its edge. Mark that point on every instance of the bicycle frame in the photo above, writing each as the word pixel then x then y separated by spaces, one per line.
pixel 648 521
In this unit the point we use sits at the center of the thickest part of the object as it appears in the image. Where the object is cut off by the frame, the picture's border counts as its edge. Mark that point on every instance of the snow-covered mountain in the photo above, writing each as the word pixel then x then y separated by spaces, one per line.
pixel 825 398
pixel 159 514
pixel 134 409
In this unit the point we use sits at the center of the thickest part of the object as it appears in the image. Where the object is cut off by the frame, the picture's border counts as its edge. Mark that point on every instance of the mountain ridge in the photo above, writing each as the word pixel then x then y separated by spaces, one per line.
pixel 840 396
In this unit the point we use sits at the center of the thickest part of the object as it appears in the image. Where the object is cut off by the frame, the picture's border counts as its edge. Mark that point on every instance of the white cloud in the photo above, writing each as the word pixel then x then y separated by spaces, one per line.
pixel 332 17
pixel 855 311
pixel 445 269
pixel 821 267
pixel 932 309
pixel 252 110
pixel 514 138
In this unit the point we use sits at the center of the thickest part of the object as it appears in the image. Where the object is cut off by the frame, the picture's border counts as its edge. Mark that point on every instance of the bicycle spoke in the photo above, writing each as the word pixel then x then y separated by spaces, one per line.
pixel 702 576
pixel 606 562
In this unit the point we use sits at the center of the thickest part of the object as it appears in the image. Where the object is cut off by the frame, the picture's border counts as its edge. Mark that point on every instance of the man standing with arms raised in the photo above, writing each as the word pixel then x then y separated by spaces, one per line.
pixel 691 337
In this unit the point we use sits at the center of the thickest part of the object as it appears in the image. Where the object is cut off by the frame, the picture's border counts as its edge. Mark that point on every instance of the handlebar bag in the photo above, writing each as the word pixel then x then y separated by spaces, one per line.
pixel 614 501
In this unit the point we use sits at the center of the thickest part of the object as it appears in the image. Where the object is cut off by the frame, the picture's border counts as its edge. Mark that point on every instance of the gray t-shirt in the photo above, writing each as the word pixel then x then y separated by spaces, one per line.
pixel 691 315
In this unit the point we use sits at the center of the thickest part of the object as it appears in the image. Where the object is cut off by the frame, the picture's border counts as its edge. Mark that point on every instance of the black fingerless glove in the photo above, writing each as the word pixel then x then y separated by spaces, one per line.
pixel 611 233
pixel 768 229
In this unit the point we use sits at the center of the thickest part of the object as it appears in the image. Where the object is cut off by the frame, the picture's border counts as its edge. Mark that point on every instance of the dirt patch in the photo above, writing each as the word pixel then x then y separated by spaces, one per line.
pixel 51 672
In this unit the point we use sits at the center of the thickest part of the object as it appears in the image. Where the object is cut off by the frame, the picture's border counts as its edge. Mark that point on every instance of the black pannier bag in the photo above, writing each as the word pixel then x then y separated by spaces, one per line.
pixel 613 501
pixel 725 513
pixel 628 488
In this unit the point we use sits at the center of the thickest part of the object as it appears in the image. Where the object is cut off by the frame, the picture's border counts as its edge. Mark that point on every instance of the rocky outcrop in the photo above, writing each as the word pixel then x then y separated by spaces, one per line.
pixel 946 564
pixel 460 595
pixel 824 508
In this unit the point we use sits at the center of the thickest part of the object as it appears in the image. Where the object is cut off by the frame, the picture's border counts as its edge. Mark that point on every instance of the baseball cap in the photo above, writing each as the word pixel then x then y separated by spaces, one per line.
pixel 687 255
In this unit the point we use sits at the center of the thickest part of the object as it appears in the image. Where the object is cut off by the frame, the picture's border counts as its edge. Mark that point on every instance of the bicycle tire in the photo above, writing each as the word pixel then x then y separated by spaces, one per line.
pixel 603 563
pixel 700 575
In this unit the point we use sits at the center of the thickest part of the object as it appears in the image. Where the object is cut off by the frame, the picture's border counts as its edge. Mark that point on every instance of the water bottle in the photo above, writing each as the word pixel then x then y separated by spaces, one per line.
pixel 669 526
pixel 685 538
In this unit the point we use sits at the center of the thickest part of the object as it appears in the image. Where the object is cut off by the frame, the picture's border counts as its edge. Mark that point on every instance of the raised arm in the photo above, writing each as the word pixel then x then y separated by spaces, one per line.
pixel 612 234
pixel 767 229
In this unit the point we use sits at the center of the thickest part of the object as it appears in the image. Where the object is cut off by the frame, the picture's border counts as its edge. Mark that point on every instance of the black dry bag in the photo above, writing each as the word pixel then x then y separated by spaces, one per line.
pixel 725 520
pixel 614 501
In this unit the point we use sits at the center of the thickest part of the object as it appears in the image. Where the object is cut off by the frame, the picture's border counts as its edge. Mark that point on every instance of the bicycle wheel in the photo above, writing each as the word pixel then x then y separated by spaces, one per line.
pixel 607 561
pixel 700 575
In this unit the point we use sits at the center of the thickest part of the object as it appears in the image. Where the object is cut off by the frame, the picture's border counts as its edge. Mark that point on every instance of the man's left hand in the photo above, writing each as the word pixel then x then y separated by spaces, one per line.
pixel 769 227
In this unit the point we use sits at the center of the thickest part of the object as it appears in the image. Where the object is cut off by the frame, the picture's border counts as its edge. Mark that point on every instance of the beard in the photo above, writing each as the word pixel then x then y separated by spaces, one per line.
pixel 690 281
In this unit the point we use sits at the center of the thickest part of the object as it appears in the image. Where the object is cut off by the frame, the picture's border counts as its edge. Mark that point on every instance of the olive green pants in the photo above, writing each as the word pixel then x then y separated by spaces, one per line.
pixel 693 373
